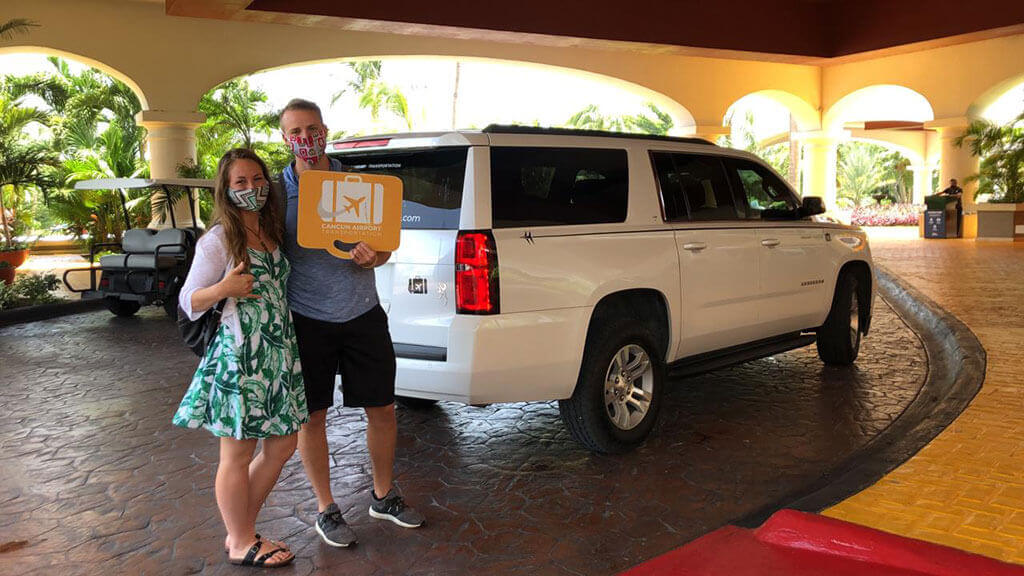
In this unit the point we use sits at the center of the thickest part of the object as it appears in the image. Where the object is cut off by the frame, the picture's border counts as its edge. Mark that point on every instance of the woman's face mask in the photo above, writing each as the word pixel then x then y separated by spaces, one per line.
pixel 310 148
pixel 252 199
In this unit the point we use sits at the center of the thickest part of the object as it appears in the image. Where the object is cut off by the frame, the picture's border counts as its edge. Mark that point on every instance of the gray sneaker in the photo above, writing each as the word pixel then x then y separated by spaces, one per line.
pixel 332 528
pixel 392 507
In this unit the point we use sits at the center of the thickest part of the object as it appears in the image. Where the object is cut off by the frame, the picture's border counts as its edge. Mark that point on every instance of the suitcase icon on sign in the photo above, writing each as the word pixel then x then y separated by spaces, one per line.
pixel 352 202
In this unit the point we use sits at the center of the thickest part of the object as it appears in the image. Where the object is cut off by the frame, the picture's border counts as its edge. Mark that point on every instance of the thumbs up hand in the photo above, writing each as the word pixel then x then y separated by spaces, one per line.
pixel 238 283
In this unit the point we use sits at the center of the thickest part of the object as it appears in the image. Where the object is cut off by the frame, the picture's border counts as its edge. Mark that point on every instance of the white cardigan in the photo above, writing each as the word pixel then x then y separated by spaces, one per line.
pixel 212 262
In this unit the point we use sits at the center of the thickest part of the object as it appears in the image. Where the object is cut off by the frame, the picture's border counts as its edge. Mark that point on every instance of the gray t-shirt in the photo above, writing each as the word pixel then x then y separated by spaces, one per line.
pixel 322 286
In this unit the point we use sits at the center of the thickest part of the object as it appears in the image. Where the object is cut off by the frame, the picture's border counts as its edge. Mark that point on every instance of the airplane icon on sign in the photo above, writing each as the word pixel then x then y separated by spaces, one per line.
pixel 354 204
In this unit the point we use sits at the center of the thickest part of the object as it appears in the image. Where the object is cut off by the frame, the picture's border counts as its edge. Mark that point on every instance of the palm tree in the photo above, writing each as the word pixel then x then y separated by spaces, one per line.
pixel 860 172
pixel 15 26
pixel 1001 149
pixel 591 118
pixel 240 109
pixel 374 94
pixel 660 124
pixel 21 163
pixel 83 101
pixel 776 155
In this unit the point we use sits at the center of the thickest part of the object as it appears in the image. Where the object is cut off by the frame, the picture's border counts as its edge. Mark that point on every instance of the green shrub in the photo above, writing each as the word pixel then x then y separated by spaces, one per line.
pixel 29 290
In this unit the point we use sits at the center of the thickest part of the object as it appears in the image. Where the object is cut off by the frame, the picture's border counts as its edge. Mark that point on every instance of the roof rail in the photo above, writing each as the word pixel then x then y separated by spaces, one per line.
pixel 511 129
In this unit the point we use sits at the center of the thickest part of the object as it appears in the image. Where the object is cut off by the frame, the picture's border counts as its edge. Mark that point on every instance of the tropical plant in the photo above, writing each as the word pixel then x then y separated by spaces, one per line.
pixel 1001 149
pixel 861 174
pixel 29 290
pixel 22 163
pixel 776 155
pixel 237 110
pixel 15 26
pixel 374 94
pixel 81 103
pixel 590 117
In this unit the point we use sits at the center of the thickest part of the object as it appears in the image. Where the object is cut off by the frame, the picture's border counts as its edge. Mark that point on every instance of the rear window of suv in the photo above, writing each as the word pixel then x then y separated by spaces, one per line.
pixel 431 183
pixel 557 186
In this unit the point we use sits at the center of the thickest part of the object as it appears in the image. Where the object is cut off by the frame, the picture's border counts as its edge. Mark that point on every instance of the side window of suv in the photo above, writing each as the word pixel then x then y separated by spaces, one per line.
pixel 556 186
pixel 694 186
pixel 766 196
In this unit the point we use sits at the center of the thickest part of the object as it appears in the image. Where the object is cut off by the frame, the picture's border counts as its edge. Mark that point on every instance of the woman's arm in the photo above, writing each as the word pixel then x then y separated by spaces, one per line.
pixel 200 292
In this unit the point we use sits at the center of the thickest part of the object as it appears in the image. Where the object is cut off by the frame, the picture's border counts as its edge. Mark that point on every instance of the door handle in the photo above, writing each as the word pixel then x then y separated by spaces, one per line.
pixel 770 242
pixel 694 246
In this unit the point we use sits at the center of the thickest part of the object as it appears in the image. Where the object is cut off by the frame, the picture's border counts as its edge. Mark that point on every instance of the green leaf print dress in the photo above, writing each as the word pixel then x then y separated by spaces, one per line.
pixel 252 388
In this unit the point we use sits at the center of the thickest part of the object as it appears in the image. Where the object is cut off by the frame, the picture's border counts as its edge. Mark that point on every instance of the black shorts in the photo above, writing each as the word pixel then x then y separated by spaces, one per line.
pixel 360 350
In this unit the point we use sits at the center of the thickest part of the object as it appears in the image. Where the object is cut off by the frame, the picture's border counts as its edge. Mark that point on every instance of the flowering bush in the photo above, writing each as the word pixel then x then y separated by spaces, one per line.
pixel 886 215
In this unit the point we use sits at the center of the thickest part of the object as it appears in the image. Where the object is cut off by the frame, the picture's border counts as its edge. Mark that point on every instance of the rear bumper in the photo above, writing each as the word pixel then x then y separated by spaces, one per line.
pixel 524 357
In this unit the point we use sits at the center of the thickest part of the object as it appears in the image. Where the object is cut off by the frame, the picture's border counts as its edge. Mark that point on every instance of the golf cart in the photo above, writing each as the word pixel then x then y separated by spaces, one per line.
pixel 150 265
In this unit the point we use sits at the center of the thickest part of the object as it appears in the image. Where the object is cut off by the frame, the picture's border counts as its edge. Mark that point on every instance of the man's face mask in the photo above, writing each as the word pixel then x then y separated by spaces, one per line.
pixel 310 148
pixel 252 199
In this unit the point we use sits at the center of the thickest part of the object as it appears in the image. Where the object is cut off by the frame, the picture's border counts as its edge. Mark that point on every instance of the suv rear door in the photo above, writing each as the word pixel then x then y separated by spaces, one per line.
pixel 417 285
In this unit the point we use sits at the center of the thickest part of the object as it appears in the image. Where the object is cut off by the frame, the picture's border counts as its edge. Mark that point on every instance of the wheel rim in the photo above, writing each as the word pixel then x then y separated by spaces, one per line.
pixel 854 319
pixel 628 387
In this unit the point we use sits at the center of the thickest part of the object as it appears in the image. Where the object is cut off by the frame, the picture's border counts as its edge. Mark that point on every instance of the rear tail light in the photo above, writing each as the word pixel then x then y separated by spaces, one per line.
pixel 161 285
pixel 476 273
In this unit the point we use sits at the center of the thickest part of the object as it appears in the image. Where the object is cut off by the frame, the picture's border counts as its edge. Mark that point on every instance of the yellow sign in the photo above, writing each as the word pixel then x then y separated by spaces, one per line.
pixel 350 208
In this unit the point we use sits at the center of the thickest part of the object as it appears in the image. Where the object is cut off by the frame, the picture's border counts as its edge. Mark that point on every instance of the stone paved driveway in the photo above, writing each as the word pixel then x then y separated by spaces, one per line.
pixel 95 480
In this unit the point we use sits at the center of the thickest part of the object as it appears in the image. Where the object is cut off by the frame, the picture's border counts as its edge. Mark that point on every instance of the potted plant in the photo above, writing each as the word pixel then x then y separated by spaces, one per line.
pixel 1000 177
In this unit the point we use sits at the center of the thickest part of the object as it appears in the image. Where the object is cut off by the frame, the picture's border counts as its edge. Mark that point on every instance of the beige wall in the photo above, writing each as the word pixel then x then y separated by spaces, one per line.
pixel 175 60
pixel 172 61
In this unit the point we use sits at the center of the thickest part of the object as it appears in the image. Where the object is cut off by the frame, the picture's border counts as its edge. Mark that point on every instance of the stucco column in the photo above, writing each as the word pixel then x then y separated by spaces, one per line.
pixel 956 162
pixel 819 166
pixel 922 181
pixel 171 140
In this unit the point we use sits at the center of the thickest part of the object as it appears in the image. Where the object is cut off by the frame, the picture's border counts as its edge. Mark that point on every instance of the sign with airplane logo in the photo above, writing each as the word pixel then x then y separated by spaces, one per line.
pixel 349 208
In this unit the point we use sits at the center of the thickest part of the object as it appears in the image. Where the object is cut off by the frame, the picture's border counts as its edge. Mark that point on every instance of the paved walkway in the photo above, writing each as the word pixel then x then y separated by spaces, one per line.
pixel 966 488
pixel 95 480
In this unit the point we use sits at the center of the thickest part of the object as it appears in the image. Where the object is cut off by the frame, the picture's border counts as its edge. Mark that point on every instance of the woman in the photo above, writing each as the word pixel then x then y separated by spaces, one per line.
pixel 248 386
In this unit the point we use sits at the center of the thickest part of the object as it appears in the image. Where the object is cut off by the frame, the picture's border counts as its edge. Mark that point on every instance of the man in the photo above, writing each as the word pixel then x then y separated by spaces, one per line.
pixel 957 192
pixel 340 327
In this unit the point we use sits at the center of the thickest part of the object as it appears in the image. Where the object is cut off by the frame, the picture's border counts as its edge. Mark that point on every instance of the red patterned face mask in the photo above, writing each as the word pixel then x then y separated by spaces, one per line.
pixel 309 149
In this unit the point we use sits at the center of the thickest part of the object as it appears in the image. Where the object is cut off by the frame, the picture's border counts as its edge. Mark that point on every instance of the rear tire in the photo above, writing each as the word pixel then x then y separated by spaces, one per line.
pixel 171 305
pixel 839 337
pixel 618 394
pixel 122 308
pixel 415 403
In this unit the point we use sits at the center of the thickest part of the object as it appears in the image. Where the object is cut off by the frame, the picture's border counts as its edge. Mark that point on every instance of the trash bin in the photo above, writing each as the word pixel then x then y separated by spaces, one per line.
pixel 941 217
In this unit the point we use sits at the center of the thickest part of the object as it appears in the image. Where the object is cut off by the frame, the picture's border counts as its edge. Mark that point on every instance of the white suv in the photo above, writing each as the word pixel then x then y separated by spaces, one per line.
pixel 542 264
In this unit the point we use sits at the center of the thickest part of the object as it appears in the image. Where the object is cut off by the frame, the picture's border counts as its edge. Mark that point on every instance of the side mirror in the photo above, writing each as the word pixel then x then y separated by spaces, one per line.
pixel 812 206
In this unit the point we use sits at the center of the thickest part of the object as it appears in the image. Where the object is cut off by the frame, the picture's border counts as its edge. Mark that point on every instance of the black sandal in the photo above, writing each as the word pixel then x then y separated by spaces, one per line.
pixel 228 550
pixel 261 562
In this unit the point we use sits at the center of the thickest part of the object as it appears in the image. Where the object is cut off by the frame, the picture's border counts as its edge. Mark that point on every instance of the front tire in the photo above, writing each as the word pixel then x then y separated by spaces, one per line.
pixel 618 394
pixel 839 337
pixel 122 308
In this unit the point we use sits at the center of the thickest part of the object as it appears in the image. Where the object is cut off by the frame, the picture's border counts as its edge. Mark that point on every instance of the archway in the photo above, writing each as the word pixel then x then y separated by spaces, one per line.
pixel 83 60
pixel 767 123
pixel 433 84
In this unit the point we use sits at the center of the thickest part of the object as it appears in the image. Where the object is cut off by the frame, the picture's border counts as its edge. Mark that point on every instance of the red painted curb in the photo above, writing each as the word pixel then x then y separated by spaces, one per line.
pixel 795 543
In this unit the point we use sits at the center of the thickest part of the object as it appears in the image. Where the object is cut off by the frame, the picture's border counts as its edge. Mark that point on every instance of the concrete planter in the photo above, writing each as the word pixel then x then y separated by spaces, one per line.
pixel 1001 222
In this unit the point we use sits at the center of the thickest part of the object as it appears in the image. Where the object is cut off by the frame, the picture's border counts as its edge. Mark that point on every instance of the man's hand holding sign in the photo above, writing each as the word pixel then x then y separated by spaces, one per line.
pixel 360 209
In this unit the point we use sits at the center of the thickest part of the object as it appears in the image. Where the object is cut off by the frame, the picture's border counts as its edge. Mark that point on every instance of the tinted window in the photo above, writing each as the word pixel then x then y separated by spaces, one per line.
pixel 694 185
pixel 431 183
pixel 554 186
pixel 766 195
